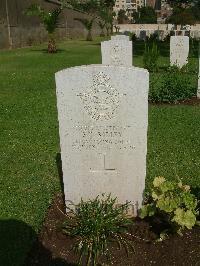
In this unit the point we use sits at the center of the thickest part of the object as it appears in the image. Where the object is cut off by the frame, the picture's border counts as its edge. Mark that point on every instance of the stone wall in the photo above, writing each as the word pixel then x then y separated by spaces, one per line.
pixel 28 30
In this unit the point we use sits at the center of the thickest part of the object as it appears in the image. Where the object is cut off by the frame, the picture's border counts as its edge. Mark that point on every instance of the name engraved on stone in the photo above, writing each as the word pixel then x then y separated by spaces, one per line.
pixel 115 55
pixel 106 137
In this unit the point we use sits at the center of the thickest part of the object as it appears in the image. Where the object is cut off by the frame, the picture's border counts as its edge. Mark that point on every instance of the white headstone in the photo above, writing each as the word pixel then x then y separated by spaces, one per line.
pixel 117 53
pixel 179 50
pixel 198 90
pixel 120 37
pixel 103 117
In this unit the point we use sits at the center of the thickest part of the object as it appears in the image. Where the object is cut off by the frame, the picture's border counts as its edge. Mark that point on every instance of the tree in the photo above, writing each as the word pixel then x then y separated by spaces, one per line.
pixel 98 9
pixel 50 21
pixel 87 23
pixel 122 17
pixel 182 16
pixel 102 25
pixel 145 15
pixel 174 3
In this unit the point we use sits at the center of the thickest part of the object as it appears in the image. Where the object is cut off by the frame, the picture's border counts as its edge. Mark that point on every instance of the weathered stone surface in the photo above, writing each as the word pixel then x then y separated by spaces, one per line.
pixel 179 50
pixel 103 117
pixel 117 52
pixel 120 37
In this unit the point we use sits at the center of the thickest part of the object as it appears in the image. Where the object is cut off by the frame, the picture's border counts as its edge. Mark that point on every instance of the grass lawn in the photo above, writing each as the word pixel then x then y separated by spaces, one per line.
pixel 29 140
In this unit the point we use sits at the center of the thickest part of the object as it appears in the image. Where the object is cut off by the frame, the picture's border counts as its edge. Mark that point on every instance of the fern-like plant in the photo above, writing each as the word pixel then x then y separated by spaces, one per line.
pixel 94 224
pixel 49 20
pixel 151 55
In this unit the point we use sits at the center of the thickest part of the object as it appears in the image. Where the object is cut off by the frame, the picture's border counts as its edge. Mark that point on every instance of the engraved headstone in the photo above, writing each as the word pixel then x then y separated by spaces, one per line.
pixel 143 35
pixel 179 50
pixel 117 52
pixel 120 37
pixel 103 117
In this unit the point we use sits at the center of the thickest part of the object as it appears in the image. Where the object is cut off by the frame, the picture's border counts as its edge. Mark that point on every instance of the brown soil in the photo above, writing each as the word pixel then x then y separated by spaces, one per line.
pixel 54 248
pixel 193 101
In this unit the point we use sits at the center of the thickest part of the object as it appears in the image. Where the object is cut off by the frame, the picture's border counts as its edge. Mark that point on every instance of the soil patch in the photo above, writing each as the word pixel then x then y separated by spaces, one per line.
pixel 54 248
pixel 193 101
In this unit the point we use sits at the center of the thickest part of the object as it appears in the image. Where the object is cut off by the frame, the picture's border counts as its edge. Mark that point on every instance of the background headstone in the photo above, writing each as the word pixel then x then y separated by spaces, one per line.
pixel 120 37
pixel 117 52
pixel 179 50
pixel 143 35
pixel 103 117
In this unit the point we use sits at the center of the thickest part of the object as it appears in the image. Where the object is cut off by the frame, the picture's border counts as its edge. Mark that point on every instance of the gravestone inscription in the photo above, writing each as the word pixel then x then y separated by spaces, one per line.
pixel 103 117
pixel 117 52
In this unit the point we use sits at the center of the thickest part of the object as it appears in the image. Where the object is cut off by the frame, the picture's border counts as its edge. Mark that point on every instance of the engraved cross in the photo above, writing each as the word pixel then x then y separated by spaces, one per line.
pixel 104 168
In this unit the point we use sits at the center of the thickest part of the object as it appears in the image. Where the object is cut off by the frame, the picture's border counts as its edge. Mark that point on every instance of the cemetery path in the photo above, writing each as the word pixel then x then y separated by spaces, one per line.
pixel 54 248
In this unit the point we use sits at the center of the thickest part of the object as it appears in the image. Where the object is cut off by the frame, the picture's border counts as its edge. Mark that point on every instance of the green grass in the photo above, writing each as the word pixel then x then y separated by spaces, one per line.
pixel 29 140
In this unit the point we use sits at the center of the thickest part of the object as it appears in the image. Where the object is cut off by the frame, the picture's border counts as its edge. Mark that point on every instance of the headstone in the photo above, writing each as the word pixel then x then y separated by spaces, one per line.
pixel 179 50
pixel 187 33
pixel 120 37
pixel 117 52
pixel 103 117
pixel 143 35
pixel 198 90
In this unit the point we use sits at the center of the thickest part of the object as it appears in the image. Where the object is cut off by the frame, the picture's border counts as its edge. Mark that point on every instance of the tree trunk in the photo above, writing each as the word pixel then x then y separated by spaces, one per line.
pixel 102 34
pixel 8 26
pixel 52 44
pixel 89 36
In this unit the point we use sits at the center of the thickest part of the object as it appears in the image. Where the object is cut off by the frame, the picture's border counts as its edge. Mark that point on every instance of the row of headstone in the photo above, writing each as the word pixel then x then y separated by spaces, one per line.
pixel 103 118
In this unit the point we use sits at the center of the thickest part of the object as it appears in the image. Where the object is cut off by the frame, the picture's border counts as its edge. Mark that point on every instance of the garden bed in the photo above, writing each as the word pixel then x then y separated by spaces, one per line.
pixel 54 248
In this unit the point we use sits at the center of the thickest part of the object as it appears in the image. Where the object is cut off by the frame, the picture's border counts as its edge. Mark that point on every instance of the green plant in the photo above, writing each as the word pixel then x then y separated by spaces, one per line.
pixel 94 223
pixel 172 86
pixel 50 21
pixel 174 201
pixel 151 55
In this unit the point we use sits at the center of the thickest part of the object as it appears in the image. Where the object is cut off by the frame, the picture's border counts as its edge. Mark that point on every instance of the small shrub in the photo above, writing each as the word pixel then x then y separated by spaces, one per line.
pixel 172 86
pixel 94 224
pixel 175 202
pixel 133 37
pixel 151 55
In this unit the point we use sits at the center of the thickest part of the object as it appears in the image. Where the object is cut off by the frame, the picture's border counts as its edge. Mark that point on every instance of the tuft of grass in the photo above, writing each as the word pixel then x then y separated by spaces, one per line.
pixel 94 224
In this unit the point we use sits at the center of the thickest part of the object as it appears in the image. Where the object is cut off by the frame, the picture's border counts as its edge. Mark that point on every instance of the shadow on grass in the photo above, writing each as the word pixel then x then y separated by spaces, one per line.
pixel 16 239
pixel 45 51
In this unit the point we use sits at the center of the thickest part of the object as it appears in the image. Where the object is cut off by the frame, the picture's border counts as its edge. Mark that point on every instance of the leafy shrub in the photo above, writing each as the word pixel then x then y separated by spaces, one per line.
pixel 175 202
pixel 172 86
pixel 133 37
pixel 151 55
pixel 93 224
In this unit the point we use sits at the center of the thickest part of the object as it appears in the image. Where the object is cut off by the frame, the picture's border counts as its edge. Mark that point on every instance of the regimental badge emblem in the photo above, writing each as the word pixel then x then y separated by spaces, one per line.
pixel 101 100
